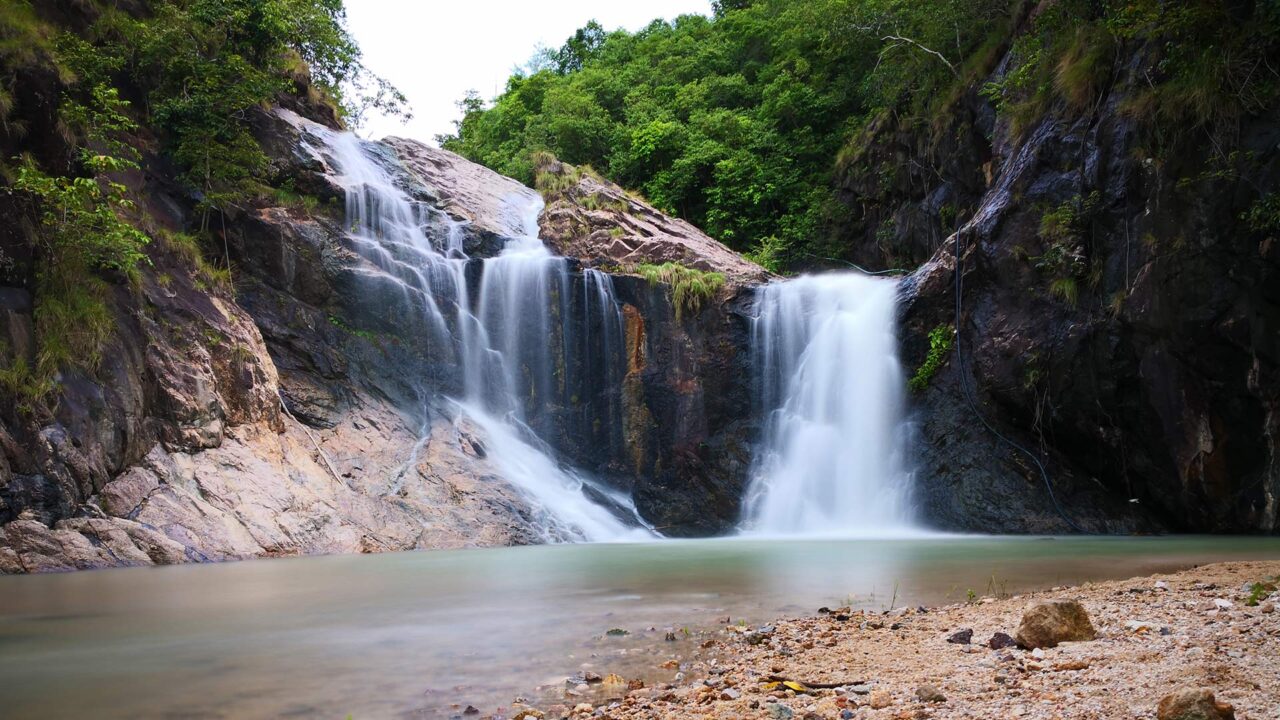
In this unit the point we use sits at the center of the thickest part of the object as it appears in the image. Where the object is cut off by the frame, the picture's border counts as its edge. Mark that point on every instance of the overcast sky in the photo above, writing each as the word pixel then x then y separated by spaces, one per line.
pixel 435 51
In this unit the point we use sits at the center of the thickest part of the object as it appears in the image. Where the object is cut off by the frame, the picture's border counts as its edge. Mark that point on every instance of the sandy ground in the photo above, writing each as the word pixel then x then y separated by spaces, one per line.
pixel 1155 634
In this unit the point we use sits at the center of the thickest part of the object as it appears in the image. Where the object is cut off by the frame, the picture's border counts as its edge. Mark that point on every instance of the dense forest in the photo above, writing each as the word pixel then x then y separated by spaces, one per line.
pixel 744 123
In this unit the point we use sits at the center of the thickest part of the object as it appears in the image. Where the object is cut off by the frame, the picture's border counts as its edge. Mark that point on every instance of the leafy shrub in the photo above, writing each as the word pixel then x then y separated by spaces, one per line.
pixel 940 341
pixel 1264 215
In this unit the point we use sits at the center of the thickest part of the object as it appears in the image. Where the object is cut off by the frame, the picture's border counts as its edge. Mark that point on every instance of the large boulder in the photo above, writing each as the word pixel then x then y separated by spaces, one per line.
pixel 1193 704
pixel 1053 622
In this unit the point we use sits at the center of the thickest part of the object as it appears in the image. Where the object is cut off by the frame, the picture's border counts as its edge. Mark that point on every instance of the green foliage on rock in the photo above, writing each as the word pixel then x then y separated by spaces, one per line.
pixel 181 77
pixel 1264 215
pixel 204 65
pixel 940 341
pixel 83 228
pixel 689 287
pixel 1065 232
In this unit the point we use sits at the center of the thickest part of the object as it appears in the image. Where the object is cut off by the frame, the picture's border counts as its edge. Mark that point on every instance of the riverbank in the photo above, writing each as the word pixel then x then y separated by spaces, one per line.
pixel 1155 635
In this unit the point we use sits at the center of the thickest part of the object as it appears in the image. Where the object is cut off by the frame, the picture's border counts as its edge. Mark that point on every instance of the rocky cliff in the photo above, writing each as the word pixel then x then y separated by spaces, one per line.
pixel 1118 318
pixel 282 411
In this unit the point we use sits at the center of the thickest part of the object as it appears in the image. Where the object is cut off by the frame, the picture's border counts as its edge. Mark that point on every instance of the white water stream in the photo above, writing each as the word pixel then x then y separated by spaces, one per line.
pixel 502 337
pixel 825 354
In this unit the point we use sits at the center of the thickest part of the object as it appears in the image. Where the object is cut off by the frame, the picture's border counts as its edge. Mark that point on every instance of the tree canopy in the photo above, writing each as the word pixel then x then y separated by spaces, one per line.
pixel 736 122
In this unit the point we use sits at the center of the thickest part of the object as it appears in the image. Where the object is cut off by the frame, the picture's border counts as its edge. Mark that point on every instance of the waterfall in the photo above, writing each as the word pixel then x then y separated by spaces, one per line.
pixel 505 364
pixel 828 380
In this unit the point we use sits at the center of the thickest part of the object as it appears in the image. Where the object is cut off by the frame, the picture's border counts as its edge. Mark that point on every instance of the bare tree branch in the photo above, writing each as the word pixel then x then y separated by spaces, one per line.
pixel 940 56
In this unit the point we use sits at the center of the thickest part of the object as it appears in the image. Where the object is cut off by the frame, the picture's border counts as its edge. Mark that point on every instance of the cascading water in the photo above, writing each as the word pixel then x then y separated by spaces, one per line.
pixel 500 338
pixel 825 354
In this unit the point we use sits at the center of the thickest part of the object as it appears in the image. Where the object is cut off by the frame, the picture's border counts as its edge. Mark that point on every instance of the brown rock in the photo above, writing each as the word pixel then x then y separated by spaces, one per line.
pixel 879 699
pixel 1193 704
pixel 929 693
pixel 1000 641
pixel 1053 622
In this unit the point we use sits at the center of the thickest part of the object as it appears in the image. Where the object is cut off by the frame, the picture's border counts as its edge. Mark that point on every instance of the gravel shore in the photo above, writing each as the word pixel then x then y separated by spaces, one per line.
pixel 1155 634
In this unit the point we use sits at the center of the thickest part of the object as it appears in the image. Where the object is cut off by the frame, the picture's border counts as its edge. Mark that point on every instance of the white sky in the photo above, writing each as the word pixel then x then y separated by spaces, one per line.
pixel 435 51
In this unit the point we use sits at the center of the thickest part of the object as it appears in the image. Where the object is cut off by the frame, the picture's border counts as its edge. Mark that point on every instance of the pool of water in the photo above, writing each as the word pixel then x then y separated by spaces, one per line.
pixel 413 634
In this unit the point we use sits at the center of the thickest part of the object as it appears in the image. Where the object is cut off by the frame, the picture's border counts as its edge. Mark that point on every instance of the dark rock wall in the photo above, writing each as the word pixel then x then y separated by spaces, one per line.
pixel 1148 387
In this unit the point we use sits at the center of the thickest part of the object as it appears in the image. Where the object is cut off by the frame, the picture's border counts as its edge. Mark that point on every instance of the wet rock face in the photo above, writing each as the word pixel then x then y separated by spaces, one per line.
pixel 688 418
pixel 1143 373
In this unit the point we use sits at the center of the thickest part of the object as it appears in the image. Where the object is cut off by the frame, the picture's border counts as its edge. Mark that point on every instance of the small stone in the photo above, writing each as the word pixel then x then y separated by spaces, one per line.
pixel 1000 641
pixel 529 714
pixel 929 693
pixel 1053 622
pixel 471 710
pixel 880 699
pixel 1267 608
pixel 961 637
pixel 729 694
pixel 860 689
pixel 778 711
pixel 583 708
pixel 1162 585
pixel 1221 604
pixel 1193 704
pixel 846 714
pixel 1037 654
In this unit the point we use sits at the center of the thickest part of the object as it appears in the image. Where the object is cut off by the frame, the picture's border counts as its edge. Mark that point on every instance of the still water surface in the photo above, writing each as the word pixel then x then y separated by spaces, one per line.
pixel 408 634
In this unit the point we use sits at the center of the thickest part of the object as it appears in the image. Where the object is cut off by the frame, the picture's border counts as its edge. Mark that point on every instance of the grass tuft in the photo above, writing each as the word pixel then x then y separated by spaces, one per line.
pixel 689 287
